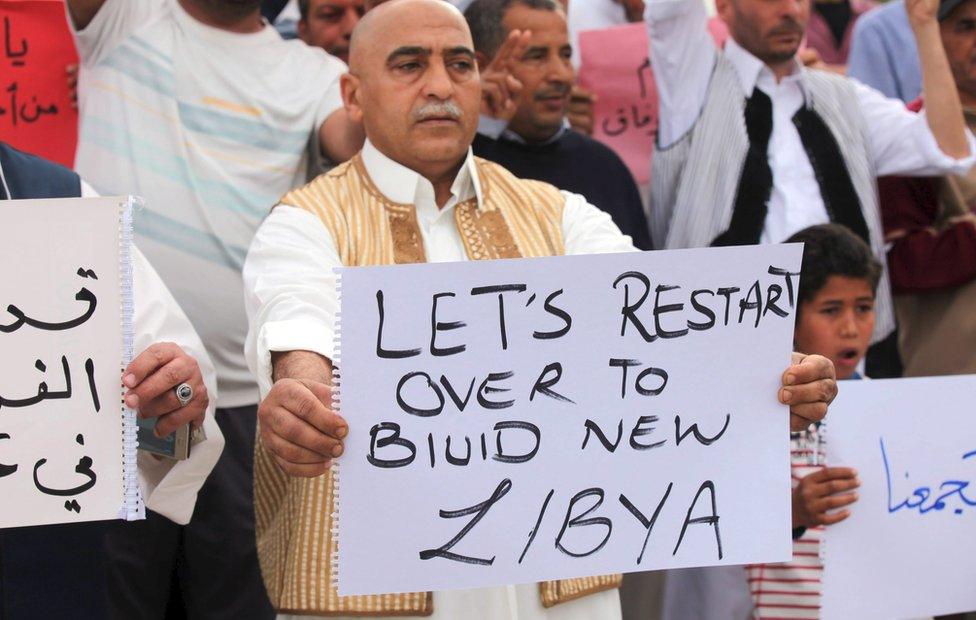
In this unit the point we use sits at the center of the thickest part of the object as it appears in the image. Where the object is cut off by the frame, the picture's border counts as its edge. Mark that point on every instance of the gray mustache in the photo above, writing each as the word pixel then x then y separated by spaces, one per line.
pixel 447 109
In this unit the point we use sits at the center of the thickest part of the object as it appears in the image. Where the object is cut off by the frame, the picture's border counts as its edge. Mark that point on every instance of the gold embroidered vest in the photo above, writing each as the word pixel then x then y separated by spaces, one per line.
pixel 517 218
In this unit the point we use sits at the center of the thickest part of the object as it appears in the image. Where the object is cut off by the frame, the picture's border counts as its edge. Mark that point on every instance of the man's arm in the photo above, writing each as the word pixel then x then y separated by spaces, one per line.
pixel 291 303
pixel 340 137
pixel 296 421
pixel 100 26
pixel 83 11
pixel 944 110
pixel 682 57
pixel 924 257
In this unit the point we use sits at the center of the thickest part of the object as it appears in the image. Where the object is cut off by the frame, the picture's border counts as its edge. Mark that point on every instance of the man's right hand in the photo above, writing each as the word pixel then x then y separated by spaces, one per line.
pixel 299 428
pixel 819 495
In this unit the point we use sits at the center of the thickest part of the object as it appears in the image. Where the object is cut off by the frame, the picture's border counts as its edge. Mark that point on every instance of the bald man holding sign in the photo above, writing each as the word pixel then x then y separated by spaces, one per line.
pixel 414 84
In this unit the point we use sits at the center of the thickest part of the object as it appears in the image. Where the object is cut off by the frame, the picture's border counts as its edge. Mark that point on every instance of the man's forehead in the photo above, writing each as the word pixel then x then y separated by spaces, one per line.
pixel 335 3
pixel 435 40
pixel 539 21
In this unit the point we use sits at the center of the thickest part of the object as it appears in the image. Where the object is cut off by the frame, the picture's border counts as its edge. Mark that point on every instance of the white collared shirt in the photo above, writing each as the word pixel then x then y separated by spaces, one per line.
pixel 683 56
pixel 793 175
pixel 291 300
pixel 290 293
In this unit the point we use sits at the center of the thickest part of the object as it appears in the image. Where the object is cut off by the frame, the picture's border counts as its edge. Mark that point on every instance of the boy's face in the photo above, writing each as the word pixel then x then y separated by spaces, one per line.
pixel 837 323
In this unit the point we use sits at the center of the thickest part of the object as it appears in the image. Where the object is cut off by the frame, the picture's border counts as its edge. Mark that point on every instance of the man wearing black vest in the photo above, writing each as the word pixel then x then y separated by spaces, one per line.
pixel 537 142
pixel 753 147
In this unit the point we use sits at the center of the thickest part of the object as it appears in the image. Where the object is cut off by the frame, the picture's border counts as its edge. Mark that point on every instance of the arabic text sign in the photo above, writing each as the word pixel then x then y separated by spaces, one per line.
pixel 909 546
pixel 626 110
pixel 36 114
pixel 625 113
pixel 525 420
pixel 61 337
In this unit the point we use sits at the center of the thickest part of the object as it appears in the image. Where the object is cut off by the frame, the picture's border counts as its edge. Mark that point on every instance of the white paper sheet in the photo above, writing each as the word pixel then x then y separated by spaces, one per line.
pixel 390 530
pixel 909 547
pixel 60 453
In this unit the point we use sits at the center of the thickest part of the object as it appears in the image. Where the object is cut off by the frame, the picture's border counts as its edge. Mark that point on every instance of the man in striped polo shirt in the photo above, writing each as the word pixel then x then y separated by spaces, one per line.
pixel 202 109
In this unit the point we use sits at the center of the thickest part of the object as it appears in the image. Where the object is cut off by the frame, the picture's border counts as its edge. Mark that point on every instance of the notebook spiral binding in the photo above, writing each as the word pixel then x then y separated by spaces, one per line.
pixel 133 507
pixel 822 446
pixel 336 406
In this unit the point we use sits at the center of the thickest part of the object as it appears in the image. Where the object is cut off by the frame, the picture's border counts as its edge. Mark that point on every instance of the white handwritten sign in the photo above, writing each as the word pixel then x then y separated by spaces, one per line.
pixel 909 546
pixel 517 421
pixel 61 334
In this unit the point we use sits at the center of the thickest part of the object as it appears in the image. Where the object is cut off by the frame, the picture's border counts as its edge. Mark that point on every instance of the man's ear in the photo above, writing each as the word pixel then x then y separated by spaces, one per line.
pixel 482 60
pixel 303 30
pixel 349 85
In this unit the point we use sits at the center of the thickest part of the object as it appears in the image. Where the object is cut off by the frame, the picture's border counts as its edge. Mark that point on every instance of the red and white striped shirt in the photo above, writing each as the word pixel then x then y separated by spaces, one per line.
pixel 792 589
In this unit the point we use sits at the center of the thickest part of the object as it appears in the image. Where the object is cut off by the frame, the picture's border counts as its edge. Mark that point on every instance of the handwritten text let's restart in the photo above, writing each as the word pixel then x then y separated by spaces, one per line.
pixel 653 312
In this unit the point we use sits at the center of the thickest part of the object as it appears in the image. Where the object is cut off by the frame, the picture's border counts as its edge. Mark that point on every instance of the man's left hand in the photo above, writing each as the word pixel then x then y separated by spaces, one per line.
pixel 922 12
pixel 500 89
pixel 152 378
pixel 809 386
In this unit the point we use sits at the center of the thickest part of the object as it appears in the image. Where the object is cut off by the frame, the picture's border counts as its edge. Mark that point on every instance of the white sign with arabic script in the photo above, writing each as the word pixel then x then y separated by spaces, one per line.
pixel 61 338
pixel 909 547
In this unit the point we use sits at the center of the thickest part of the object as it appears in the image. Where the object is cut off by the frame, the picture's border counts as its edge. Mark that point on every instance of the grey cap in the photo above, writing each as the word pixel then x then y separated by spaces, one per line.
pixel 948 6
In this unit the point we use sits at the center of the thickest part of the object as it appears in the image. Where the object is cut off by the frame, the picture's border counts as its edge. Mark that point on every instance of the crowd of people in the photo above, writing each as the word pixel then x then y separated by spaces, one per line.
pixel 273 141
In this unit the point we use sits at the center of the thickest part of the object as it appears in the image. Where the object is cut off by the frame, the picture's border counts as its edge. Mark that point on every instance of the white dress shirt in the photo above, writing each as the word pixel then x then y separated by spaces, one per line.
pixel 170 487
pixel 683 57
pixel 291 305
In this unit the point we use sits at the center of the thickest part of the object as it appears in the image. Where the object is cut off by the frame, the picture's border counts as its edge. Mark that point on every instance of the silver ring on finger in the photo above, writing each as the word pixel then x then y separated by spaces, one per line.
pixel 184 393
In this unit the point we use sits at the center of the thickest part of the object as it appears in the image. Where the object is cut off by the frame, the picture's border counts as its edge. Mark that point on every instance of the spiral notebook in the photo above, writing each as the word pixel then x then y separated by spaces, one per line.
pixel 67 442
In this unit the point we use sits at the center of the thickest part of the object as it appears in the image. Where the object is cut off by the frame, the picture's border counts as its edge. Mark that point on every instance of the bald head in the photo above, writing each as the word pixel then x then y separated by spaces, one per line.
pixel 392 17
pixel 413 81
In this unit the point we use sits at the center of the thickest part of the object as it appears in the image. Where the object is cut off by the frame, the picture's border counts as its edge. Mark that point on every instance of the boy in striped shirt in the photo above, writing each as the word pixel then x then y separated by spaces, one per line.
pixel 835 319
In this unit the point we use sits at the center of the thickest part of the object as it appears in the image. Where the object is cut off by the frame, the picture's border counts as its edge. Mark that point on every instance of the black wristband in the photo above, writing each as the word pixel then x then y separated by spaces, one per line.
pixel 799 531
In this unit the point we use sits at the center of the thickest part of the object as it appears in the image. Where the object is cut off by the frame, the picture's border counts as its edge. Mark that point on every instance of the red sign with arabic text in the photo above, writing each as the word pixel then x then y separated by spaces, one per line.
pixel 36 47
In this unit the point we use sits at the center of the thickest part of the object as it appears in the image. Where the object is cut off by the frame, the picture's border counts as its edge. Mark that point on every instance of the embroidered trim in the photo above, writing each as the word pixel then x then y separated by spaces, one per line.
pixel 485 232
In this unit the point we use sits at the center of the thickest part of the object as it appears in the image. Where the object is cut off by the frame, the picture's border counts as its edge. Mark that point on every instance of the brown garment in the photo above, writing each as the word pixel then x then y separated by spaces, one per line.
pixel 937 330
pixel 294 516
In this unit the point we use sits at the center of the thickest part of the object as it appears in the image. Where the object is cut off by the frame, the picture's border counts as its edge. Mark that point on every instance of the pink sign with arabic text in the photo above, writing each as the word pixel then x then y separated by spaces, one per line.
pixel 615 65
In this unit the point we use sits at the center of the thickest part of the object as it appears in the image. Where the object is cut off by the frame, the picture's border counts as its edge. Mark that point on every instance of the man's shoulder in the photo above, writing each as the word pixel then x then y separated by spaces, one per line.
pixel 821 79
pixel 883 17
pixel 307 60
pixel 35 177
pixel 22 160
pixel 592 150
pixel 322 188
